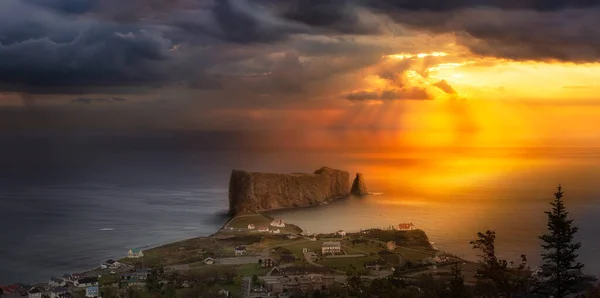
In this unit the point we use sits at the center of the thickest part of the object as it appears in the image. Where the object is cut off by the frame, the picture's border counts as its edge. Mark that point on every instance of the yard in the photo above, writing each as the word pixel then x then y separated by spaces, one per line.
pixel 347 264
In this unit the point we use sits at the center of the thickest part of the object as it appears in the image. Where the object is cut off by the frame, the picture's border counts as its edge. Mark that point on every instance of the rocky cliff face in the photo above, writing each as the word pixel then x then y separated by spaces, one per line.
pixel 358 186
pixel 250 191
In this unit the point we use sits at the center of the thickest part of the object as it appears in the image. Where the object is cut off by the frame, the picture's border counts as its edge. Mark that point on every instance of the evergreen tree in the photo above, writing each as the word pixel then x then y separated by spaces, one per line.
pixel 494 277
pixel 561 251
pixel 457 284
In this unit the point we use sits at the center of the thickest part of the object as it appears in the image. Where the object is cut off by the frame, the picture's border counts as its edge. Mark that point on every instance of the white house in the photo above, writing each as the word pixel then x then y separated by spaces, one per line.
pixel 305 250
pixel 209 261
pixel 251 227
pixel 406 227
pixel 341 233
pixel 110 263
pixel 239 250
pixel 263 229
pixel 223 293
pixel 331 247
pixel 275 231
pixel 313 238
pixel 278 223
pixel 92 292
pixel 56 282
pixel 57 292
pixel 135 253
pixel 34 293
pixel 86 282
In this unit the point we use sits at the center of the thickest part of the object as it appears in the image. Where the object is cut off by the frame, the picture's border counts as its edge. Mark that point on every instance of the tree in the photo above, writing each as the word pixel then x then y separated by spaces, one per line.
pixel 457 284
pixel 494 275
pixel 561 251
pixel 1 292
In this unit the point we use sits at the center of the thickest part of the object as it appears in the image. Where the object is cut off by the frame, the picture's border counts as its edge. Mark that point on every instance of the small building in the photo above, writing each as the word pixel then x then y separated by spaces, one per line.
pixel 67 278
pixel 34 293
pixel 135 253
pixel 406 227
pixel 341 233
pixel 251 227
pixel 278 223
pixel 56 282
pixel 313 238
pixel 263 229
pixel 511 265
pixel 110 263
pixel 275 231
pixel 390 245
pixel 305 250
pixel 292 237
pixel 223 293
pixel 57 291
pixel 86 282
pixel 331 247
pixel 209 261
pixel 240 250
pixel 92 292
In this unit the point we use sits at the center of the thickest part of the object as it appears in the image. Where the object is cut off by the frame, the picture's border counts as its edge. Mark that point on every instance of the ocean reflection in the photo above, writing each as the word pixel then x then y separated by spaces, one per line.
pixel 454 195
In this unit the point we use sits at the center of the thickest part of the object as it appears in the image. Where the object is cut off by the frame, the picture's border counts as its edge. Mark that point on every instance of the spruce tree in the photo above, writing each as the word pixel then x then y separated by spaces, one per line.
pixel 561 251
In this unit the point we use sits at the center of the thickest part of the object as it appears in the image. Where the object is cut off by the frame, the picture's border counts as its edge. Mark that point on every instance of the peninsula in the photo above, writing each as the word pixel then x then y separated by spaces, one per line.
pixel 252 191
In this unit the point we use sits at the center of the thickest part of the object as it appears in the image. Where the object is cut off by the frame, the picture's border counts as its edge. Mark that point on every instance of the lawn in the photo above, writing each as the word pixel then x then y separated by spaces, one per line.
pixel 346 264
pixel 242 221
pixel 297 246
pixel 412 255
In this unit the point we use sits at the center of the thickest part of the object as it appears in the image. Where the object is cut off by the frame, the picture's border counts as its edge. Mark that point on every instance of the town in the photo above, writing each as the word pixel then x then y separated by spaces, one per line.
pixel 254 255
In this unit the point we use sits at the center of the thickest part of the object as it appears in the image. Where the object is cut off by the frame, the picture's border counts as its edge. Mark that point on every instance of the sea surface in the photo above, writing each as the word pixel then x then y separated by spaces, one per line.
pixel 71 202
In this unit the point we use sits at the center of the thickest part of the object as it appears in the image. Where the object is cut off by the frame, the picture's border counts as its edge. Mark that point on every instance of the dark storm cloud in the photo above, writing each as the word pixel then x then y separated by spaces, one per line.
pixel 400 94
pixel 43 52
pixel 519 30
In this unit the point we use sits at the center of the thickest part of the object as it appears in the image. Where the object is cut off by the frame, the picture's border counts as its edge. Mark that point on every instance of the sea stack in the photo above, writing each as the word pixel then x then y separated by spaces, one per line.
pixel 251 191
pixel 358 186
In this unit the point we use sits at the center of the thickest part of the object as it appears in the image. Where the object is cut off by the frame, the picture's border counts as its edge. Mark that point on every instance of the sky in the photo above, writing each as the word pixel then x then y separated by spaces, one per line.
pixel 429 72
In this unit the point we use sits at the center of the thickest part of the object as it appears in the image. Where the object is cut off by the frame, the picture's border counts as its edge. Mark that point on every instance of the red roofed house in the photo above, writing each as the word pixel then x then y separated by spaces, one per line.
pixel 406 227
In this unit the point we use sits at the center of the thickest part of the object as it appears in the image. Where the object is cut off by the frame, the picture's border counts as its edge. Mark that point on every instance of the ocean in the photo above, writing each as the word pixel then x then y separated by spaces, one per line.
pixel 72 201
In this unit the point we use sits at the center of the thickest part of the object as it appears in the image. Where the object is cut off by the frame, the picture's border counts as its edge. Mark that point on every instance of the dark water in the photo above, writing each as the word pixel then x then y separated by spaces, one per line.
pixel 70 202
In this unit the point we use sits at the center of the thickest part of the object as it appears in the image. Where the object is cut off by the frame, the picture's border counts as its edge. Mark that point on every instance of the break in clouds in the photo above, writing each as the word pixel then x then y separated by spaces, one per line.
pixel 264 52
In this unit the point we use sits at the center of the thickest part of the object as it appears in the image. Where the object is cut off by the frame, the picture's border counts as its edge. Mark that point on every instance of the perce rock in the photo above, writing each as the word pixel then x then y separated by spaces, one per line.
pixel 251 191
pixel 358 186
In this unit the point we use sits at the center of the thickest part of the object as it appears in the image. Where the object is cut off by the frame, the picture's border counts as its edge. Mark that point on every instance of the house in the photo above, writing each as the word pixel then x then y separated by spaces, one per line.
pixel 110 263
pixel 56 282
pixel 313 238
pixel 251 227
pixel 390 245
pixel 331 247
pixel 406 227
pixel 511 265
pixel 341 233
pixel 135 253
pixel 240 250
pixel 209 261
pixel 34 293
pixel 278 223
pixel 223 293
pixel 86 282
pixel 67 278
pixel 275 231
pixel 92 292
pixel 263 229
pixel 305 250
pixel 292 237
pixel 57 291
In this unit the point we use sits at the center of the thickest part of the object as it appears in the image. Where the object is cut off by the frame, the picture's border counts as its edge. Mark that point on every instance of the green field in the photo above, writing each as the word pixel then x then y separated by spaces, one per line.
pixel 346 264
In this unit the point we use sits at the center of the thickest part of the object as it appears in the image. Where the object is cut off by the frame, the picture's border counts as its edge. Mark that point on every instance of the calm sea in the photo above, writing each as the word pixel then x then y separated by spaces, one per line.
pixel 70 202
